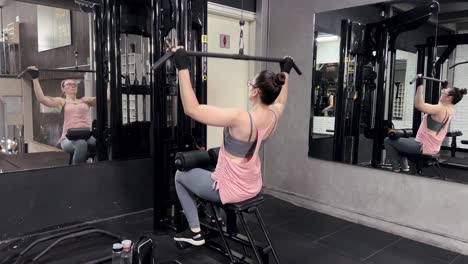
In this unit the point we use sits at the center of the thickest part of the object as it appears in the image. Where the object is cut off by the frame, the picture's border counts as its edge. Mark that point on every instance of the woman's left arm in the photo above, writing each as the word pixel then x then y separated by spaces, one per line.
pixel 423 106
pixel 91 101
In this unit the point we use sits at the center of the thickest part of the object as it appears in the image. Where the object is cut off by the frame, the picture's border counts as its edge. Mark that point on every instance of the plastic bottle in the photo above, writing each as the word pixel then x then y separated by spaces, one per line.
pixel 117 253
pixel 127 252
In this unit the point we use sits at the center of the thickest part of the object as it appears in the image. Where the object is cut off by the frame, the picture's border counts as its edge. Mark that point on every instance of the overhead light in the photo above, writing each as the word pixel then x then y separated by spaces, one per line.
pixel 327 38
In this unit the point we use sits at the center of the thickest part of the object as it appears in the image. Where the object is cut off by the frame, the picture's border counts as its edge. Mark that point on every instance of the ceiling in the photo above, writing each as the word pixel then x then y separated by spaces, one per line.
pixel 453 14
pixel 67 4
pixel 4 2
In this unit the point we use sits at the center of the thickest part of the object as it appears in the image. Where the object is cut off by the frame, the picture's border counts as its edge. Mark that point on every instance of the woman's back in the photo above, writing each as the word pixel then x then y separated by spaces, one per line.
pixel 246 131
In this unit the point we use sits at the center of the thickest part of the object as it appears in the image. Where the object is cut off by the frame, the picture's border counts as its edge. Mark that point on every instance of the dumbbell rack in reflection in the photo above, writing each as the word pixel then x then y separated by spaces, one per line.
pixel 134 105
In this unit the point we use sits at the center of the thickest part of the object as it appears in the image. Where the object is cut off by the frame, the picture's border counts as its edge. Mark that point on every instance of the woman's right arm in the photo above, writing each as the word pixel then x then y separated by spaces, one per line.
pixel 331 104
pixel 280 103
pixel 45 100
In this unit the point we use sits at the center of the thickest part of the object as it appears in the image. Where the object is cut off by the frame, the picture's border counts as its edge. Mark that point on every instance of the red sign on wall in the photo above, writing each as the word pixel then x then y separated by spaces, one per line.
pixel 224 41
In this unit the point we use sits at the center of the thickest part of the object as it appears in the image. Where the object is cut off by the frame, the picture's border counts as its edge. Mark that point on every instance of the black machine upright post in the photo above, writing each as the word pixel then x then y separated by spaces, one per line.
pixel 159 118
pixel 391 83
pixel 201 44
pixel 382 55
pixel 340 93
pixel 429 71
pixel 193 34
pixel 315 81
pixel 436 85
pixel 113 32
pixel 183 122
pixel 356 120
pixel 101 89
pixel 420 69
pixel 438 68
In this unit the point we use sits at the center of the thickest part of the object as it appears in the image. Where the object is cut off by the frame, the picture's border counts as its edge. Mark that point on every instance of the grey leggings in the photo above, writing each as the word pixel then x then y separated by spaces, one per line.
pixel 79 148
pixel 192 183
pixel 395 147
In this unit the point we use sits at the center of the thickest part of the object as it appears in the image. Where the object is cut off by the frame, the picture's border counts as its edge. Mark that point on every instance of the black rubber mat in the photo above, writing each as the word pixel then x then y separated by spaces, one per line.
pixel 298 235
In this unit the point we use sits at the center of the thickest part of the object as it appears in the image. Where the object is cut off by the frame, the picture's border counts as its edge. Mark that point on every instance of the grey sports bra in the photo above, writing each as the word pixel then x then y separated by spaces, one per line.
pixel 434 125
pixel 239 148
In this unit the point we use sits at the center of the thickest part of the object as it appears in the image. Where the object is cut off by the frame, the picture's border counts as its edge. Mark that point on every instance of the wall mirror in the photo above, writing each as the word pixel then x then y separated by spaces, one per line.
pixel 59 42
pixel 364 91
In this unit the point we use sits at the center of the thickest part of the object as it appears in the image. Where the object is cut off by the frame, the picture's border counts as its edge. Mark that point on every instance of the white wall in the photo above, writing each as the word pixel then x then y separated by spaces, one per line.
pixel 427 210
pixel 227 79
pixel 411 64
pixel 23 89
pixel 459 122
pixel 328 51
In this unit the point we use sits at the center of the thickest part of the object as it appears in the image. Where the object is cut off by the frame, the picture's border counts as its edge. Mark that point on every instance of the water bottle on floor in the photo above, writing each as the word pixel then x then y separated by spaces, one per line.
pixel 117 253
pixel 127 252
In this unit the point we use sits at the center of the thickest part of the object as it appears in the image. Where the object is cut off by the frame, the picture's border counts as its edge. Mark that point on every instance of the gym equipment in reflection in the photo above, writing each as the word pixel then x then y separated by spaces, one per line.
pixel 363 107
pixel 325 80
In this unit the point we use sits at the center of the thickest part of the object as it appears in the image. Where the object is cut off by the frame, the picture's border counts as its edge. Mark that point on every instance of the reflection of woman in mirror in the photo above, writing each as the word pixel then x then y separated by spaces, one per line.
pixel 330 109
pixel 330 76
pixel 77 114
pixel 432 130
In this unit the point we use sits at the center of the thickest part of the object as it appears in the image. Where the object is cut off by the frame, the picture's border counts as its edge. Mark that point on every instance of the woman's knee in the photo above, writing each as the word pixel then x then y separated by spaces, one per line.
pixel 91 141
pixel 81 144
pixel 386 141
pixel 67 146
pixel 178 176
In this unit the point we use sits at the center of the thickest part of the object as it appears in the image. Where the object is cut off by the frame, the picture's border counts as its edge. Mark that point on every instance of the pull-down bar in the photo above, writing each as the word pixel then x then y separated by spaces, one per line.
pixel 169 54
pixel 54 70
pixel 426 78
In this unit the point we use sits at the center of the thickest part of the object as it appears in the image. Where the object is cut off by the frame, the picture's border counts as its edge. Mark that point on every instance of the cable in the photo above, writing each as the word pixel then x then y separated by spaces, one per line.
pixel 435 41
pixel 241 36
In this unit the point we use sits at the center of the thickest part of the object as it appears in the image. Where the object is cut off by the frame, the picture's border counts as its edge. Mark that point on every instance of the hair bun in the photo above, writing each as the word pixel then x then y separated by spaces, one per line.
pixel 280 78
pixel 463 91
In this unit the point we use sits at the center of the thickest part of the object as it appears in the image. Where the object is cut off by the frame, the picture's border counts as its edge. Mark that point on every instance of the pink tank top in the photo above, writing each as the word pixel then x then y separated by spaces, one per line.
pixel 75 116
pixel 236 180
pixel 431 143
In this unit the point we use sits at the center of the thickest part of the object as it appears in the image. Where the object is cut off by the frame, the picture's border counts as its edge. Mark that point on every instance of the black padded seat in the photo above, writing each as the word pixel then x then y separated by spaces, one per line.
pixel 245 205
pixel 423 160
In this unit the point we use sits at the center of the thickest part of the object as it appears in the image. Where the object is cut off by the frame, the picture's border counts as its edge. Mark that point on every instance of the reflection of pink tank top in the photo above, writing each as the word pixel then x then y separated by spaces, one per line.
pixel 75 116
pixel 431 143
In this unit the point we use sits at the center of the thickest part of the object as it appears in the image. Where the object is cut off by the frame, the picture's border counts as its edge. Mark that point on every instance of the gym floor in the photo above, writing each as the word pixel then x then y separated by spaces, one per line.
pixel 299 236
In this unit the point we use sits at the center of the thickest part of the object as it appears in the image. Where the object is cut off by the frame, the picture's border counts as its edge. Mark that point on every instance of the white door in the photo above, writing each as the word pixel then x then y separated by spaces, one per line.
pixel 227 79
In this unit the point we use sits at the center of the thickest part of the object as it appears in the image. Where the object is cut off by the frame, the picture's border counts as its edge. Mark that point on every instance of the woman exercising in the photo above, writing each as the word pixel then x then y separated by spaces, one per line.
pixel 237 176
pixel 432 130
pixel 77 114
pixel 330 109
